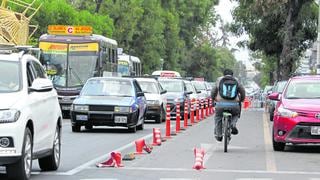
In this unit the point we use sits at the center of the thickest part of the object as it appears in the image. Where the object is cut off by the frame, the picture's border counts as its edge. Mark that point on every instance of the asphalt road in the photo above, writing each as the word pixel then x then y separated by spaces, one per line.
pixel 250 155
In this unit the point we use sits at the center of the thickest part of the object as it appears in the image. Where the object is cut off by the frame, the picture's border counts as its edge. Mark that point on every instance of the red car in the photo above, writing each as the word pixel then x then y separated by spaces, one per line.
pixel 297 113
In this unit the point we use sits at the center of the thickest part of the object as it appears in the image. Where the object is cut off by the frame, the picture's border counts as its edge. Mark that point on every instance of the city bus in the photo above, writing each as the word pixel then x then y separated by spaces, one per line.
pixel 129 65
pixel 71 55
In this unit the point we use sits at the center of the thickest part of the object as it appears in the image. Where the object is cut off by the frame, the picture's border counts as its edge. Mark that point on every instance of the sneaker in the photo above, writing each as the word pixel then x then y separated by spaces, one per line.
pixel 218 138
pixel 234 131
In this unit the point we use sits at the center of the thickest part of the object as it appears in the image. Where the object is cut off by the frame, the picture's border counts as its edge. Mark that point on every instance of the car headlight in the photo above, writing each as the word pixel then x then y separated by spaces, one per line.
pixel 123 109
pixel 80 108
pixel 154 102
pixel 286 112
pixel 9 116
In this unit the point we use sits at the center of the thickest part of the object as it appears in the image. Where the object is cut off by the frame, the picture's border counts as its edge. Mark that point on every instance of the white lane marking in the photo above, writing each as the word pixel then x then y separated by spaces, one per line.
pixel 208 149
pixel 103 157
pixel 211 170
pixel 254 179
pixel 176 179
pixel 270 159
pixel 99 179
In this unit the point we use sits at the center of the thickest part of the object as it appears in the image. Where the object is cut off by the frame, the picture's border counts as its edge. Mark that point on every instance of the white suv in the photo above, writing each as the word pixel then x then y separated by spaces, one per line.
pixel 30 116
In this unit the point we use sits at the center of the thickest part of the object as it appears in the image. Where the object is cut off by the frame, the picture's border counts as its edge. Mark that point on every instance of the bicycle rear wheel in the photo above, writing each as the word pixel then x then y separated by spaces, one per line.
pixel 226 134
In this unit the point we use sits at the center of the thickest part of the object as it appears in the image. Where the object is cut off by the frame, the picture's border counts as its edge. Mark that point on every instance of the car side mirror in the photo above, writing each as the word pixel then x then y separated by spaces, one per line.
pixel 198 92
pixel 274 96
pixel 41 85
pixel 139 94
pixel 163 92
pixel 188 92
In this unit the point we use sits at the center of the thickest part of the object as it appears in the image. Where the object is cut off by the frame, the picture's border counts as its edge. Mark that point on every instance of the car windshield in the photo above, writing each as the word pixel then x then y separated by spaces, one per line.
pixel 199 85
pixel 303 90
pixel 9 76
pixel 172 86
pixel 190 87
pixel 108 87
pixel 149 87
pixel 280 86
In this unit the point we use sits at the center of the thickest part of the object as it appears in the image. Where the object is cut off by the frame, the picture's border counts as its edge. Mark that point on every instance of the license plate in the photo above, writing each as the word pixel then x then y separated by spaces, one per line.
pixel 315 130
pixel 66 107
pixel 82 117
pixel 120 119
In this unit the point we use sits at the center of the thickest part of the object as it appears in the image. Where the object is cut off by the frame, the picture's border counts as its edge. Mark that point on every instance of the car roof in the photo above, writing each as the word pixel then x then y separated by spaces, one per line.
pixel 306 77
pixel 111 78
pixel 170 79
pixel 10 57
pixel 146 79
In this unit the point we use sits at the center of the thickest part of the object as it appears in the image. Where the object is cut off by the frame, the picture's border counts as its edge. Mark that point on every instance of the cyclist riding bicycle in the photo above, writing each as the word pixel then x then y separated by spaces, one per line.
pixel 228 95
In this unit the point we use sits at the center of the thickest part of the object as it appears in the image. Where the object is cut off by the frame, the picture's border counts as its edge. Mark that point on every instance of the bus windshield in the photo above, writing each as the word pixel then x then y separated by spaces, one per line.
pixel 82 62
pixel 123 68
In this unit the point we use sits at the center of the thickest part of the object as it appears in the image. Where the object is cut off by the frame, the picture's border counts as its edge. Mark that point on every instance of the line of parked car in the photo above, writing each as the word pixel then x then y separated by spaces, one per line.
pixel 128 102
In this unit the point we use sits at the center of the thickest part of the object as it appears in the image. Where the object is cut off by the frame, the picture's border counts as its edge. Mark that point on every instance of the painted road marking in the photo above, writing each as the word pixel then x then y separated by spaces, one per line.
pixel 254 179
pixel 270 159
pixel 212 170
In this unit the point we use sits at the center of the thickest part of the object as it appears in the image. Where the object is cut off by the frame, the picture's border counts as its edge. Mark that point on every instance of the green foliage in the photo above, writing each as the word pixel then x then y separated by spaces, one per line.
pixel 281 30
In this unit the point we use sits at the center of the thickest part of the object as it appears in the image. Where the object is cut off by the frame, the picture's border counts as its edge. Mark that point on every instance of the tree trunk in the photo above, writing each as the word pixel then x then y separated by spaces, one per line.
pixel 287 58
pixel 98 5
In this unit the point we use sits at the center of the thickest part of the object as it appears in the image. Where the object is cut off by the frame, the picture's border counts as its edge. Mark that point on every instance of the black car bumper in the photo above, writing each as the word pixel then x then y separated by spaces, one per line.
pixel 9 160
pixel 104 119
pixel 153 111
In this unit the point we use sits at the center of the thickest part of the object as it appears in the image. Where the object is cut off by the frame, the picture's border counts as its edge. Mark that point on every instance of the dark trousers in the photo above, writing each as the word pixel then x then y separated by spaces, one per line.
pixel 234 110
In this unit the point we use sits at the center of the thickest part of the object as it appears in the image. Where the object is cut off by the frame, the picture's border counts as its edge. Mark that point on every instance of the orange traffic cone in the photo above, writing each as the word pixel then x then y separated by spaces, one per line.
pixel 199 155
pixel 156 137
pixel 113 161
pixel 141 145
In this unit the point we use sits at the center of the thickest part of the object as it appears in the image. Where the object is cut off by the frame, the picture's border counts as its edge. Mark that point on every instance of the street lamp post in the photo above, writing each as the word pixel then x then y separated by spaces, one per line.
pixel 318 41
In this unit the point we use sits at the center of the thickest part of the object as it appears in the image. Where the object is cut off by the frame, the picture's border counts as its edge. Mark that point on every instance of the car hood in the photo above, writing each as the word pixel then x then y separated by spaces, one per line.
pixel 105 100
pixel 174 95
pixel 302 104
pixel 8 100
pixel 152 97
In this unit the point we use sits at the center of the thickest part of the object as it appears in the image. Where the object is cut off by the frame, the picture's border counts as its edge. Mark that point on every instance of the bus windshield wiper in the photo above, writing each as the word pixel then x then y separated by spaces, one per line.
pixel 76 75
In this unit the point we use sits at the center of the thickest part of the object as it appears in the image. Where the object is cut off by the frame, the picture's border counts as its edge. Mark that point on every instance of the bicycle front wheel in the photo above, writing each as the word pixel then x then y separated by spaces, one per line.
pixel 226 134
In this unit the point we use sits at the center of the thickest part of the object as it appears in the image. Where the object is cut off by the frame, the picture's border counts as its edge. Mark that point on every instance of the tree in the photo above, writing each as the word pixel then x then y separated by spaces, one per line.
pixel 281 29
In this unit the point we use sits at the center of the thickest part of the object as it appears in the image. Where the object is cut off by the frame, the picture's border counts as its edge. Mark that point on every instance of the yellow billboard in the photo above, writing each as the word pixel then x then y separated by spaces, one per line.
pixel 70 30
pixel 60 47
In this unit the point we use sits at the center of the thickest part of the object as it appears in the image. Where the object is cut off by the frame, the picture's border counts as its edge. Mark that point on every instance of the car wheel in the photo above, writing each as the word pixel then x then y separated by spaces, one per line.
pixel 51 162
pixel 132 129
pixel 277 146
pixel 271 116
pixel 21 170
pixel 88 127
pixel 163 114
pixel 76 128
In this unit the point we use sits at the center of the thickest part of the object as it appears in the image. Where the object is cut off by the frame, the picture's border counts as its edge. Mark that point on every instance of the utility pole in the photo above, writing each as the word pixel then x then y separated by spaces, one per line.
pixel 318 41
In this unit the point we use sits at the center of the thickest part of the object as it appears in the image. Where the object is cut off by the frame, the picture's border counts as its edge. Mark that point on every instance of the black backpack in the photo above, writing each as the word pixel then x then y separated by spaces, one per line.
pixel 228 88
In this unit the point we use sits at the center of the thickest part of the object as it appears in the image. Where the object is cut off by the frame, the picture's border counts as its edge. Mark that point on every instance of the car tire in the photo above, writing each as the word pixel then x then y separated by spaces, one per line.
pixel 21 170
pixel 277 146
pixel 52 162
pixel 88 127
pixel 132 129
pixel 76 128
pixel 271 116
pixel 163 114
pixel 141 126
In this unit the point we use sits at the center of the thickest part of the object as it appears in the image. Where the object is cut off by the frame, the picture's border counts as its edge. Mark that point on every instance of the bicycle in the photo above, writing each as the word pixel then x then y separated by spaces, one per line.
pixel 226 127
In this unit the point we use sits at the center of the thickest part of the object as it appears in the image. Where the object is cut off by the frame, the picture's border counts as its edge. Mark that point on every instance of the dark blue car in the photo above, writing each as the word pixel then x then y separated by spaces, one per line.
pixel 109 101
